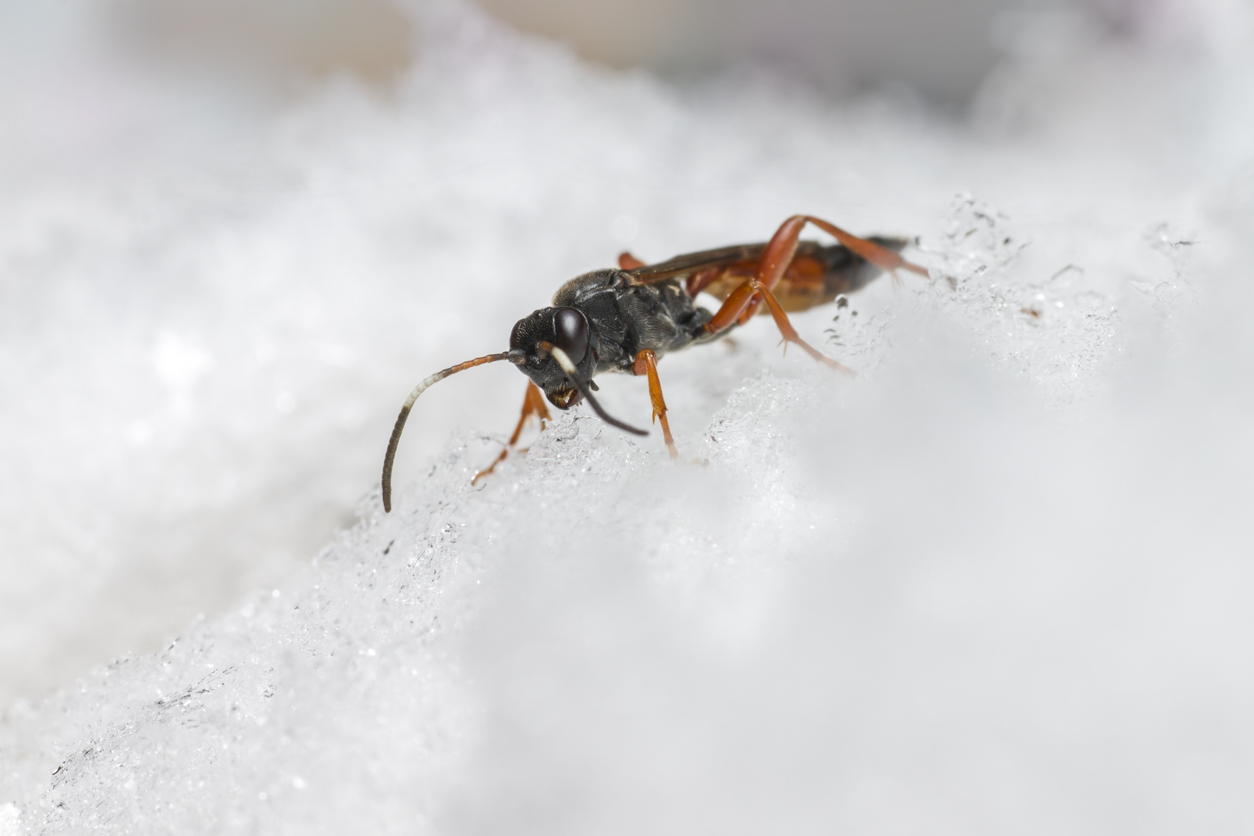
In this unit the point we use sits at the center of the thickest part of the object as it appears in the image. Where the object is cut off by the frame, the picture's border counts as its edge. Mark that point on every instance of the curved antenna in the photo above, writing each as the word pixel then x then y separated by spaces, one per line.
pixel 582 384
pixel 515 356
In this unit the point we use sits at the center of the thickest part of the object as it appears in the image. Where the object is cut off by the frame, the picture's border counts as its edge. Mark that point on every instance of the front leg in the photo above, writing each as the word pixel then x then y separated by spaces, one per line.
pixel 646 363
pixel 533 404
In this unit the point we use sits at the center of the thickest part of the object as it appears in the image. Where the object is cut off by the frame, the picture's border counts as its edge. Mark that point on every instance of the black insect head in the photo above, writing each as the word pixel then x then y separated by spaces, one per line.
pixel 568 330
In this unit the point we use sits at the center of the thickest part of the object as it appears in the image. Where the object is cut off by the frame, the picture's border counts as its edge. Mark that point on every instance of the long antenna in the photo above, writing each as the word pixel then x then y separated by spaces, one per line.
pixel 513 356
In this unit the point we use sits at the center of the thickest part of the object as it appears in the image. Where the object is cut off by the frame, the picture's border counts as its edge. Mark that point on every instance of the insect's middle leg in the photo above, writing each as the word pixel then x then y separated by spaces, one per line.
pixel 646 363
pixel 533 404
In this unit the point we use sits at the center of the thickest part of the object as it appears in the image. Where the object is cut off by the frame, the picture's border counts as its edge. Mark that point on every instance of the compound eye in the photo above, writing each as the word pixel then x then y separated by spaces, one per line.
pixel 514 342
pixel 572 333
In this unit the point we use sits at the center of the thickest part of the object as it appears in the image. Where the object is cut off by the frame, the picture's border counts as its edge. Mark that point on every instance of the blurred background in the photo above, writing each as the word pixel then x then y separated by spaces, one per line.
pixel 940 50
pixel 188 410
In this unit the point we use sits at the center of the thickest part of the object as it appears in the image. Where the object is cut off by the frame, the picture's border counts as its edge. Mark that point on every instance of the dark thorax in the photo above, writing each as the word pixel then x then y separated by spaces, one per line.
pixel 627 317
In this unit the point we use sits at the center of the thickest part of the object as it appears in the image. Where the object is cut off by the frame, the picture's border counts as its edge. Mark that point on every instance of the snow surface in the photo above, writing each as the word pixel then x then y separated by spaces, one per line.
pixel 1000 582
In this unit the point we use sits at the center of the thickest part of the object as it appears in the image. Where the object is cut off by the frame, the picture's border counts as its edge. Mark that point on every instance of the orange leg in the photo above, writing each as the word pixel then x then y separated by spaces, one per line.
pixel 739 299
pixel 627 261
pixel 646 363
pixel 790 335
pixel 783 246
pixel 533 404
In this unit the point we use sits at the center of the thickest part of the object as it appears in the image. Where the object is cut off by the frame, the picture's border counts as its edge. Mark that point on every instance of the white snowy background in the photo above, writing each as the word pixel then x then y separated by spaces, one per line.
pixel 999 582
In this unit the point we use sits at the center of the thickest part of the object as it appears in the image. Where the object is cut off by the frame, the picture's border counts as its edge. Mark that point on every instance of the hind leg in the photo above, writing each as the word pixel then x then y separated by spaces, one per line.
pixel 782 247
pixel 740 298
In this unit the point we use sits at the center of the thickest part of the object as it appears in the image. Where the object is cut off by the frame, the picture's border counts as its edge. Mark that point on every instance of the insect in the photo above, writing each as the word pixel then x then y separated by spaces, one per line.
pixel 624 319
